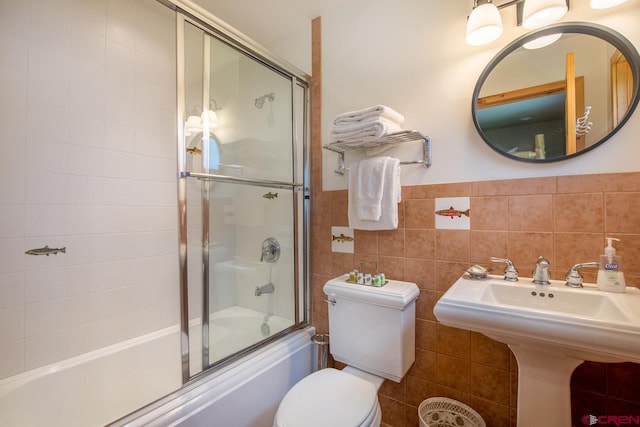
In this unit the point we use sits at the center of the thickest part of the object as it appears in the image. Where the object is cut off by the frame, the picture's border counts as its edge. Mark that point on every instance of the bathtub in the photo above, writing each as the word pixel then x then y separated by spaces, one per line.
pixel 102 386
pixel 235 328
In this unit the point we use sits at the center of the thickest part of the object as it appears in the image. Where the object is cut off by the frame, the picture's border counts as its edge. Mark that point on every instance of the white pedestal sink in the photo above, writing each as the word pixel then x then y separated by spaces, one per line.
pixel 551 330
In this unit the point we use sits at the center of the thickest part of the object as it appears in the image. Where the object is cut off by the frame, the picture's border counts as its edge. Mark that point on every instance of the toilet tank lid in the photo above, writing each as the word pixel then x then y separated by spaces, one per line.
pixel 395 294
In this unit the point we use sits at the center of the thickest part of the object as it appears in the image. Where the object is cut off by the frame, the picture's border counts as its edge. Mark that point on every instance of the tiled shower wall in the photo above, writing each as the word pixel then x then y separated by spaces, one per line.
pixel 87 140
pixel 564 219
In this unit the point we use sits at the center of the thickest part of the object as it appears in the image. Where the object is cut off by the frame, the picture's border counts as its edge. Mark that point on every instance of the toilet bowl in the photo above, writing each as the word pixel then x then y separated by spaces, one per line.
pixel 372 330
pixel 330 398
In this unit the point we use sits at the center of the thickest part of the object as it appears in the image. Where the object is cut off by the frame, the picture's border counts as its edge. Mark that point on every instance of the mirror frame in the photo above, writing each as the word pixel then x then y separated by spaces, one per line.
pixel 607 34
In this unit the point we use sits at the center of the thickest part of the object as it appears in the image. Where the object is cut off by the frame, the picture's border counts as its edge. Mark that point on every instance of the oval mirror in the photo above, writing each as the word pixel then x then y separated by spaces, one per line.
pixel 550 103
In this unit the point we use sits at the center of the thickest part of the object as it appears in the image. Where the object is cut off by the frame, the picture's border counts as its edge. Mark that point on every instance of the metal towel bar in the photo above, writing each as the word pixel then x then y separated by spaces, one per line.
pixel 341 147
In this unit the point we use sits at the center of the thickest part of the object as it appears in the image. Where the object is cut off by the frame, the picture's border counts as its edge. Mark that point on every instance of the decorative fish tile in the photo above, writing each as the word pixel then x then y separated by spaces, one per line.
pixel 453 213
pixel 342 239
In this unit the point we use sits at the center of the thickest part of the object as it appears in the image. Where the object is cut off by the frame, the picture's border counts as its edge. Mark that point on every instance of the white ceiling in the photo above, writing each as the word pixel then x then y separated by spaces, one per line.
pixel 266 21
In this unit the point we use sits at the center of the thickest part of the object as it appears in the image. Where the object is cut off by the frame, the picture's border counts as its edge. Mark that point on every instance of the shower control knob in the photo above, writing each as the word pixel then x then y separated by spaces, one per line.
pixel 270 250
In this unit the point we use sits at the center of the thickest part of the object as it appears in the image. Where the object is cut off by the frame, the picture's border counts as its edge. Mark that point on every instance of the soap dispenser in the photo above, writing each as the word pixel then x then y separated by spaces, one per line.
pixel 610 275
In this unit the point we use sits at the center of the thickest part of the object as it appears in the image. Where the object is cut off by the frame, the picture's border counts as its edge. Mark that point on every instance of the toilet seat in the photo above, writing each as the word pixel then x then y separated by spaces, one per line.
pixel 329 397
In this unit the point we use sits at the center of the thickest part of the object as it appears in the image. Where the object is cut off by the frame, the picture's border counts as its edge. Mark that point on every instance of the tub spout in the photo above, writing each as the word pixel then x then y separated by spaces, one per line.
pixel 265 289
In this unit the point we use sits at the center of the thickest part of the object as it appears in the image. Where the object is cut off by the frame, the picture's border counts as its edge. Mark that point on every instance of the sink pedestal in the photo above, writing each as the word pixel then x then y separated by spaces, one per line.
pixel 544 387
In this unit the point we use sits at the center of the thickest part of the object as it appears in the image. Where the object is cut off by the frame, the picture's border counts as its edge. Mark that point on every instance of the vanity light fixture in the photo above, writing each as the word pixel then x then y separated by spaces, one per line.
pixel 604 4
pixel 485 23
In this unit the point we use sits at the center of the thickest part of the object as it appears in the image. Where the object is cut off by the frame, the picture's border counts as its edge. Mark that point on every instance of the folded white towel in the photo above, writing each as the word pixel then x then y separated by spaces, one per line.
pixel 371 174
pixel 391 196
pixel 364 130
pixel 366 114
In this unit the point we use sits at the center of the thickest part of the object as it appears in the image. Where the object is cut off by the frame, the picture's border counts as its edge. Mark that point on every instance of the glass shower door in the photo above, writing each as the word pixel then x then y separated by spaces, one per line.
pixel 241 164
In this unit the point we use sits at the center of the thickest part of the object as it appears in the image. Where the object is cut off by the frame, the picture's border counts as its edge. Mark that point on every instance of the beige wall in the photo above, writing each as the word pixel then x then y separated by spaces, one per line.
pixel 382 53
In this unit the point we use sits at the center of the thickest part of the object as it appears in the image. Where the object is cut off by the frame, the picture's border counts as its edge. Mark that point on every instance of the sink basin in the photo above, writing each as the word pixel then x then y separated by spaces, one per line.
pixel 551 330
pixel 579 303
pixel 584 323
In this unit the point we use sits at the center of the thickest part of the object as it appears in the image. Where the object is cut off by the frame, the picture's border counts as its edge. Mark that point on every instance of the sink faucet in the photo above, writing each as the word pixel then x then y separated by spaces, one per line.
pixel 541 274
pixel 574 279
pixel 510 272
pixel 265 289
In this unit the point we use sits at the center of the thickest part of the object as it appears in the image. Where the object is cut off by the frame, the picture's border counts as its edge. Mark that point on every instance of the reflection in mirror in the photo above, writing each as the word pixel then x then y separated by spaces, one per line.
pixel 560 100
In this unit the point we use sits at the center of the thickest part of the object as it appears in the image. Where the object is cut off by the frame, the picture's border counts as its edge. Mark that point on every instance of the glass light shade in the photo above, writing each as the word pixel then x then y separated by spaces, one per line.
pixel 604 4
pixel 211 117
pixel 193 125
pixel 484 25
pixel 542 41
pixel 538 13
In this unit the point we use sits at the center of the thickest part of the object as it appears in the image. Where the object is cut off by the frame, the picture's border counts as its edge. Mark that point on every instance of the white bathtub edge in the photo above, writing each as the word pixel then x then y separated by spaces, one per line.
pixel 197 397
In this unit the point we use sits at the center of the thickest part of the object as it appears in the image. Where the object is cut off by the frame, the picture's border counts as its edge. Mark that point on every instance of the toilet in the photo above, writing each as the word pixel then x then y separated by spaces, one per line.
pixel 372 331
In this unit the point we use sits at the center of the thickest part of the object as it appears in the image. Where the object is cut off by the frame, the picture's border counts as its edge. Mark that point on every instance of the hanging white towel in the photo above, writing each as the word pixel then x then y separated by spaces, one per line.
pixel 391 196
pixel 367 114
pixel 371 173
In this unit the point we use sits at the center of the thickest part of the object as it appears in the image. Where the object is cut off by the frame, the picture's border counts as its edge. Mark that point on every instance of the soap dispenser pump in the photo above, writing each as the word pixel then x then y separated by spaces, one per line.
pixel 610 275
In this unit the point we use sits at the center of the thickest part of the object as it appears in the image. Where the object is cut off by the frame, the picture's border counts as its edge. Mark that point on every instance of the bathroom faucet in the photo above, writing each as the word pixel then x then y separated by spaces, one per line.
pixel 574 279
pixel 510 272
pixel 265 289
pixel 541 274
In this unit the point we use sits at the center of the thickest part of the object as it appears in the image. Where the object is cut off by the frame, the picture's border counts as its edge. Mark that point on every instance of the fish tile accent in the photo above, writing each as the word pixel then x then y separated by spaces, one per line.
pixel 342 239
pixel 453 213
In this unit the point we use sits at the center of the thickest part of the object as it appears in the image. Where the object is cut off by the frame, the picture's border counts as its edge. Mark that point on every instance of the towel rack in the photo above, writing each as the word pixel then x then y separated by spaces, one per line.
pixel 341 147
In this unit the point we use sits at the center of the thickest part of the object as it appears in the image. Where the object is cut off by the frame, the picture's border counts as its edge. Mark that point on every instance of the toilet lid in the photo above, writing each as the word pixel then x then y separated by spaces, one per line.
pixel 328 398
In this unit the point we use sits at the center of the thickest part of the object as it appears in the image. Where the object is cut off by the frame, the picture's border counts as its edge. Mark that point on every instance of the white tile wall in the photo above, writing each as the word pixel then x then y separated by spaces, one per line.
pixel 12 358
pixel 12 289
pixel 45 348
pixel 45 316
pixel 12 323
pixel 87 162
pixel 43 187
pixel 45 284
pixel 11 221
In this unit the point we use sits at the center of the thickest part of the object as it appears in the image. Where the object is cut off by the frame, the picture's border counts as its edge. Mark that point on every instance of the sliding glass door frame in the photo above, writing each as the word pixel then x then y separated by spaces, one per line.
pixel 300 190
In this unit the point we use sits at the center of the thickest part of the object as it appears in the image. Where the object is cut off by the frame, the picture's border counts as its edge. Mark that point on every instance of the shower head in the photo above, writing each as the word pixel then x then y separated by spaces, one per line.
pixel 259 102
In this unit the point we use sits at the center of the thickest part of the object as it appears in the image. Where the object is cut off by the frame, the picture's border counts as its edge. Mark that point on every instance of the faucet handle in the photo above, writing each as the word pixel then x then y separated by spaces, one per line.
pixel 510 272
pixel 574 279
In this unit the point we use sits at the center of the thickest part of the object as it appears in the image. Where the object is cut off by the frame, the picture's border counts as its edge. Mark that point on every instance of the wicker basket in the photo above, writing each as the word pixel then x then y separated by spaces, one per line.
pixel 443 412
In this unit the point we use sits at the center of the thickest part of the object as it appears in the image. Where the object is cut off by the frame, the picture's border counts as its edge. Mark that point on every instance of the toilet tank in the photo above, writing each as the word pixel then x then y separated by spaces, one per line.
pixel 373 328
